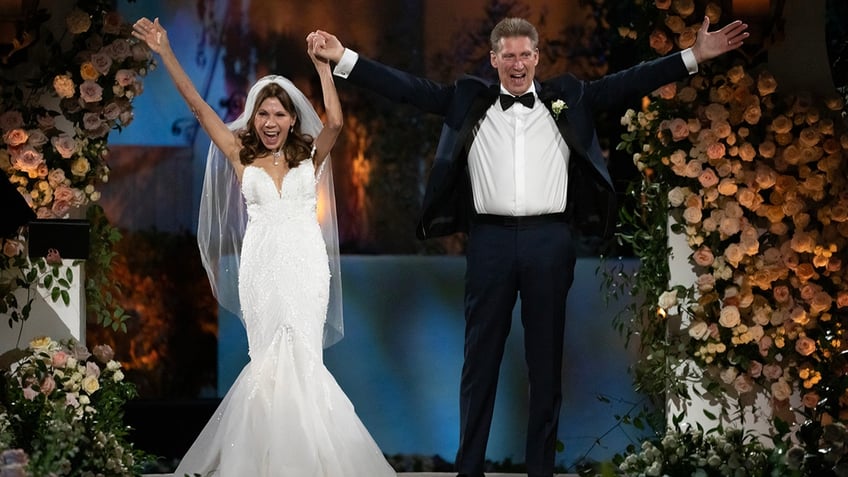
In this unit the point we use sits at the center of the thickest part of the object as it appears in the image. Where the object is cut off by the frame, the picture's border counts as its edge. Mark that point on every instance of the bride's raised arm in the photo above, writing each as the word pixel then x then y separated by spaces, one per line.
pixel 155 36
pixel 333 124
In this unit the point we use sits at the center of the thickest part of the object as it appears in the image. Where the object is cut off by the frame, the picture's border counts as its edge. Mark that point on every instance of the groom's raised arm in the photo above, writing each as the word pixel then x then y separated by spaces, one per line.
pixel 396 85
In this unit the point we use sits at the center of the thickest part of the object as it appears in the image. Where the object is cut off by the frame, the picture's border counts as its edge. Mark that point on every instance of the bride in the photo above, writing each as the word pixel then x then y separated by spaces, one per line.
pixel 285 415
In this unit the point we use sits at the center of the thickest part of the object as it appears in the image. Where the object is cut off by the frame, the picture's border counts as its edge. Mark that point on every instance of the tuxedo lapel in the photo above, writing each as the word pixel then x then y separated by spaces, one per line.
pixel 548 96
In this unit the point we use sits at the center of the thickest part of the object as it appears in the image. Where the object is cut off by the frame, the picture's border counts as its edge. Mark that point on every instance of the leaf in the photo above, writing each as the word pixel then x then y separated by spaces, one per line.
pixel 66 297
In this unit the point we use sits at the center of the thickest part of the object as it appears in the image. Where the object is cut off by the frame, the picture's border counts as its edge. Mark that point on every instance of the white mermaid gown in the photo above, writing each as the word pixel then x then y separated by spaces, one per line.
pixel 285 415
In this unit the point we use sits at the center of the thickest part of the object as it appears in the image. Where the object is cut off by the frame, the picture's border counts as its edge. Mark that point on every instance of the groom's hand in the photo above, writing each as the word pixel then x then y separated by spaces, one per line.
pixel 709 45
pixel 327 46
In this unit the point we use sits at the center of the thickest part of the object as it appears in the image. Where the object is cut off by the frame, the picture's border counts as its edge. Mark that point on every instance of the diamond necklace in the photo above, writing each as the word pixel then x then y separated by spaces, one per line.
pixel 276 155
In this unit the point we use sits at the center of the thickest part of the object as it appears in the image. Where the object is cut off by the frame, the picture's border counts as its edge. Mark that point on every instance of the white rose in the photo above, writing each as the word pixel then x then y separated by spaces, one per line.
pixel 668 299
pixel 90 384
pixel 699 330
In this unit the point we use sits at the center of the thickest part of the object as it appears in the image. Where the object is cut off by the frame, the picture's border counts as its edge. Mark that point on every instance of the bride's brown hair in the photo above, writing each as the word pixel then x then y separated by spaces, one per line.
pixel 298 146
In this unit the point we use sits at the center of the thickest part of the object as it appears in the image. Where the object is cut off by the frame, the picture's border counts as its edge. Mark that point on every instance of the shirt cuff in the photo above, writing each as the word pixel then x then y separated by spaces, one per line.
pixel 347 62
pixel 688 60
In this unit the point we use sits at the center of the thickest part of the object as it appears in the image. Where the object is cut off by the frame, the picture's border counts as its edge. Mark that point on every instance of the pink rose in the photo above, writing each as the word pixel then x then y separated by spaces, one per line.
pixel 53 257
pixel 103 353
pixel 772 371
pixel 765 345
pixel 755 369
pixel 102 62
pixel 91 369
pixel 11 119
pixel 805 346
pixel 708 178
pixel 781 293
pixel 703 257
pixel 112 23
pixel 29 393
pixel 48 385
pixel 679 129
pixel 59 359
pixel 91 92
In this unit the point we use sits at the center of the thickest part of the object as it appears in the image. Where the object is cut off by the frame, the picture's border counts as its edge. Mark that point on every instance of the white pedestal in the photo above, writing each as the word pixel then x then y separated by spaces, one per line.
pixel 756 412
pixel 56 320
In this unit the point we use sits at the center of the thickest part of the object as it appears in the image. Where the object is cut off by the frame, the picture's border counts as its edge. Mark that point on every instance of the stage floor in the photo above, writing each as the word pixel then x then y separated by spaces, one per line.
pixel 418 474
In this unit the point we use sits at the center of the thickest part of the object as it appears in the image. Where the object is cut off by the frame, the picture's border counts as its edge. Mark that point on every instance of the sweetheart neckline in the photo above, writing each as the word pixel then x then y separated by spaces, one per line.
pixel 273 182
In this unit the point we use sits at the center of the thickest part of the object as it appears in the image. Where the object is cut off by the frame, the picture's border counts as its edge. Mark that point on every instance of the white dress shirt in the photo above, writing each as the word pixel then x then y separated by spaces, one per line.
pixel 518 161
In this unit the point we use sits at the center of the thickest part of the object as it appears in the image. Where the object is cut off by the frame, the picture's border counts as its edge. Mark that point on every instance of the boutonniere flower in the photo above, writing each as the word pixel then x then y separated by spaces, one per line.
pixel 557 107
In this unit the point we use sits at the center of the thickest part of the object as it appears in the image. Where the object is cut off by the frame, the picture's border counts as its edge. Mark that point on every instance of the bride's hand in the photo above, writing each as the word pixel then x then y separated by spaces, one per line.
pixel 151 33
pixel 314 43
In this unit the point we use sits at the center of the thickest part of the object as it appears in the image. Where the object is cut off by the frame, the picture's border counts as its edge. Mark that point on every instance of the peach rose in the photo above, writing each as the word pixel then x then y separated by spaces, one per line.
pixel 810 400
pixel 752 114
pixel 659 42
pixel 78 21
pixel 727 187
pixel 743 384
pixel 772 371
pixel 765 345
pixel 692 215
pixel 781 124
pixel 781 390
pixel 729 317
pixel 12 248
pixel 842 299
pixel 88 72
pixel 15 137
pixel 699 330
pixel 687 38
pixel 781 293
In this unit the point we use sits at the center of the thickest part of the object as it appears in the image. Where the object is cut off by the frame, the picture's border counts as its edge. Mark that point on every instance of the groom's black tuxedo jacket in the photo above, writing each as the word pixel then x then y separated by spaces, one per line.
pixel 447 205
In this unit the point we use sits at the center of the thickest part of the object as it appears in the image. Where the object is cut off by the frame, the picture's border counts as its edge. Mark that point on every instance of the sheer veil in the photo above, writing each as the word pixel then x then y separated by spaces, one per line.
pixel 223 214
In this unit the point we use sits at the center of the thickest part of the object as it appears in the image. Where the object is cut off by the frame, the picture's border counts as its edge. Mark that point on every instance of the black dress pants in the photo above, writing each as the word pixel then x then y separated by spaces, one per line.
pixel 508 258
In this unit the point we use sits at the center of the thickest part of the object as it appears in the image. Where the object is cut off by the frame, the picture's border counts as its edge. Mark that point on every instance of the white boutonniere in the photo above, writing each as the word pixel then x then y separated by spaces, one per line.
pixel 557 107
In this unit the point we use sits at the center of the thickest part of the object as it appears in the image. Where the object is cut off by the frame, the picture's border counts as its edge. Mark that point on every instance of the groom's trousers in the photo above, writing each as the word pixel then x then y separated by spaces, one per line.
pixel 532 258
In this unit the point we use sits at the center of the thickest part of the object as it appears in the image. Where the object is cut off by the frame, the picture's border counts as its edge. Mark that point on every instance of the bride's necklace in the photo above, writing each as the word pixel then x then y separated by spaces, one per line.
pixel 276 155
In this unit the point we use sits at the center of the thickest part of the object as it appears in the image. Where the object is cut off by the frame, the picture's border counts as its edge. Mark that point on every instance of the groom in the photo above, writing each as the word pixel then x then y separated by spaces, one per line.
pixel 518 167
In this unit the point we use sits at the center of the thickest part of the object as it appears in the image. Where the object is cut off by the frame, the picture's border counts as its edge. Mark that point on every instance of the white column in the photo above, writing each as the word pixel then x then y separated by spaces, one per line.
pixel 46 318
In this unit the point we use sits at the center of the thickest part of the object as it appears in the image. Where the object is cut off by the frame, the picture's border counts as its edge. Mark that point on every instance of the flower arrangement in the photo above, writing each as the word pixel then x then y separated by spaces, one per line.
pixel 759 187
pixel 755 181
pixel 56 120
pixel 692 452
pixel 64 411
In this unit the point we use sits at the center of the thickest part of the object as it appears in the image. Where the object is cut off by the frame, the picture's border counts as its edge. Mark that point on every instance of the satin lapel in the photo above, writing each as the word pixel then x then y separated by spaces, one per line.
pixel 548 96
pixel 478 108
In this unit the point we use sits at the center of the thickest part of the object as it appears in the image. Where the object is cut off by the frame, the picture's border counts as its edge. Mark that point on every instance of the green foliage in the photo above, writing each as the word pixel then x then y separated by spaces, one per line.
pixel 100 291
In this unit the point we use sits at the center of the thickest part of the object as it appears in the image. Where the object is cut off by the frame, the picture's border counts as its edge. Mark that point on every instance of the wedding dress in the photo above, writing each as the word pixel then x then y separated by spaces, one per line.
pixel 285 415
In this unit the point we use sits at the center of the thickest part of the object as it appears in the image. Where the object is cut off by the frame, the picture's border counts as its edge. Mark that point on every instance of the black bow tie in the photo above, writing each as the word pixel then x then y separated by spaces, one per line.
pixel 507 100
